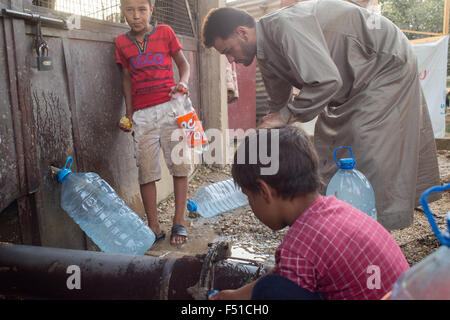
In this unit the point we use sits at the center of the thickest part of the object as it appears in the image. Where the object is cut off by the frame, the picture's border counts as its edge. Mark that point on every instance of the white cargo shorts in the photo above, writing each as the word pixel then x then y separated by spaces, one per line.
pixel 153 129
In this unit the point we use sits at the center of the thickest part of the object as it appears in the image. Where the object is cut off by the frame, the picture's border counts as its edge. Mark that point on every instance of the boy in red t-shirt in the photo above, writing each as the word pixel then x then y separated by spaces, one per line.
pixel 145 54
pixel 332 250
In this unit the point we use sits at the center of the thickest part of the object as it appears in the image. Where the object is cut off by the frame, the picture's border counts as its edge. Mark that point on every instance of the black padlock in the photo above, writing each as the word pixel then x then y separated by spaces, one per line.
pixel 44 62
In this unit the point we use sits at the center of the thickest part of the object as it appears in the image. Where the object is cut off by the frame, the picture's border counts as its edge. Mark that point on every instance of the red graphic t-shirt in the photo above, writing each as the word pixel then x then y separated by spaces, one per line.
pixel 150 66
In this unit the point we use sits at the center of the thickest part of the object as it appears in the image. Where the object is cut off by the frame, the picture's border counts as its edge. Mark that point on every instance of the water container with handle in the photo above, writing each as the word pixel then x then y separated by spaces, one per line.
pixel 101 214
pixel 430 278
pixel 351 186
pixel 217 198
pixel 189 122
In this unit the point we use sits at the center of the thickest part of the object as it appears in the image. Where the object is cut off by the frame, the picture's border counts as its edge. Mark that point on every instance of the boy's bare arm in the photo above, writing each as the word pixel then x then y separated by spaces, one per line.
pixel 126 86
pixel 184 70
pixel 243 293
pixel 126 83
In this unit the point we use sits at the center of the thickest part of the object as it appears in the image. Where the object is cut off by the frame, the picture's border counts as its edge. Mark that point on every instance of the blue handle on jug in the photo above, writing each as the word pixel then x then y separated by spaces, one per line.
pixel 66 170
pixel 443 238
pixel 351 154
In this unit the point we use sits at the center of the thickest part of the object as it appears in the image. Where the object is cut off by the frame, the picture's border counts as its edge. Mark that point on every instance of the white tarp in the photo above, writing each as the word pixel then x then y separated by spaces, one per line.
pixel 432 59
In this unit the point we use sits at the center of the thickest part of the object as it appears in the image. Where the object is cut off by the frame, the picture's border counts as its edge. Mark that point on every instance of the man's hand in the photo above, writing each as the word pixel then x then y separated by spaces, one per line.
pixel 272 120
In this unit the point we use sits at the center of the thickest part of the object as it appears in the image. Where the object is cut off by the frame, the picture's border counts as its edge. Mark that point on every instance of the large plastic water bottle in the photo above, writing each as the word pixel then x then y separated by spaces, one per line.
pixel 217 198
pixel 430 278
pixel 101 214
pixel 351 186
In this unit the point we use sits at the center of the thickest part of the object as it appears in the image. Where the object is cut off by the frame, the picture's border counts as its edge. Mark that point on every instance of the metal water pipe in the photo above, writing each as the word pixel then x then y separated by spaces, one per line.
pixel 52 273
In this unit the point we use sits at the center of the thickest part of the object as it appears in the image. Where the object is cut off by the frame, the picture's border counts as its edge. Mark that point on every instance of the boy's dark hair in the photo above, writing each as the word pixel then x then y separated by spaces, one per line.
pixel 150 2
pixel 298 172
pixel 222 22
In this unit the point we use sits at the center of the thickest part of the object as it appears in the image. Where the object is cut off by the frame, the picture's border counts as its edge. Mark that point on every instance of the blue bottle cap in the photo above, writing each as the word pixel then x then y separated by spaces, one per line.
pixel 347 163
pixel 66 170
pixel 191 206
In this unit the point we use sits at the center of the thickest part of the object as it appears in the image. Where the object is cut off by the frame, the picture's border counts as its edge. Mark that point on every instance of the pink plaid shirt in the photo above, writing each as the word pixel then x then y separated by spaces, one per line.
pixel 340 252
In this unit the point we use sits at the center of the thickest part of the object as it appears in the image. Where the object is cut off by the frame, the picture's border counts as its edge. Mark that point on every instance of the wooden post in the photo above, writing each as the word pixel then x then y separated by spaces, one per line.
pixel 445 27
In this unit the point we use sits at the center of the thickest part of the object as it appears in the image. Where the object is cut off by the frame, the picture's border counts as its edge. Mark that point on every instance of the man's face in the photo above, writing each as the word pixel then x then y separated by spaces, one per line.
pixel 137 13
pixel 236 49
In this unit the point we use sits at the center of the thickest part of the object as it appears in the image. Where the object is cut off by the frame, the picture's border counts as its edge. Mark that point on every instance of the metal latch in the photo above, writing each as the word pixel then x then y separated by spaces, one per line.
pixel 44 62
pixel 54 22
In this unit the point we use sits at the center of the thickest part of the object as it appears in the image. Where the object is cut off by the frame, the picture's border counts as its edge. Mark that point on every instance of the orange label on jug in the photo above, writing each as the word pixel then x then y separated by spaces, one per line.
pixel 193 129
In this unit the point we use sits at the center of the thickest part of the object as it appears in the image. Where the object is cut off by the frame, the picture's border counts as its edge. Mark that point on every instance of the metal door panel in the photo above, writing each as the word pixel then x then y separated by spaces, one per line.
pixel 9 175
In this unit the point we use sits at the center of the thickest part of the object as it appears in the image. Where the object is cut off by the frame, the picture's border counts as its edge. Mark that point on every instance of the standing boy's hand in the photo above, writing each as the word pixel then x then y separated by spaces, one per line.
pixel 125 124
pixel 181 87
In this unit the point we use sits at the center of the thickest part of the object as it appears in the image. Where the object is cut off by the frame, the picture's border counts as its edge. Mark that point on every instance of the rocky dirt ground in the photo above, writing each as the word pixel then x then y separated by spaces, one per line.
pixel 418 241
pixel 252 240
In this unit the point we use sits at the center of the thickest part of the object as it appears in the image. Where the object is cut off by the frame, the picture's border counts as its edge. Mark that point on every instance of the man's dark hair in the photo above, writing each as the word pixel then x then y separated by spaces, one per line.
pixel 222 22
pixel 298 172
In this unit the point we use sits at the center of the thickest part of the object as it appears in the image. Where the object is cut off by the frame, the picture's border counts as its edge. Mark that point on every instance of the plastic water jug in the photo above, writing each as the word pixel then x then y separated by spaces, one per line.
pixel 430 278
pixel 189 122
pixel 217 198
pixel 101 214
pixel 351 186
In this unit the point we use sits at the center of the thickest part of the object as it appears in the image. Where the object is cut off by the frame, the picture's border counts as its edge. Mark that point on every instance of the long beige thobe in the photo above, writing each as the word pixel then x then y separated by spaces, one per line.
pixel 357 72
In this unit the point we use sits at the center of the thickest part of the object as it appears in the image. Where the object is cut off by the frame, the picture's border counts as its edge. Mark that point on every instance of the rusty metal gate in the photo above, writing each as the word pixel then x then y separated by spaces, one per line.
pixel 71 110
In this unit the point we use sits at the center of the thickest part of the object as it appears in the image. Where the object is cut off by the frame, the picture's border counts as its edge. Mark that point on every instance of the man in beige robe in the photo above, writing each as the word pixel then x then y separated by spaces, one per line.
pixel 357 72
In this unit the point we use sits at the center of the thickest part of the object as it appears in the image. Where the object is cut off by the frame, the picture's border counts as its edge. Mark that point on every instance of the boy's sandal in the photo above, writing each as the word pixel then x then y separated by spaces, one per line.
pixel 179 230
pixel 160 237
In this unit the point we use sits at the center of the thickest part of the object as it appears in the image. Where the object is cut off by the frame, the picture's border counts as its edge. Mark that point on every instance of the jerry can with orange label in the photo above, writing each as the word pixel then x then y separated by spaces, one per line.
pixel 189 122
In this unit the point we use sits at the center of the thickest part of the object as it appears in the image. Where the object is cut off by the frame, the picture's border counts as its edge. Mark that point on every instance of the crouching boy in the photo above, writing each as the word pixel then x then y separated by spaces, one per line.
pixel 332 250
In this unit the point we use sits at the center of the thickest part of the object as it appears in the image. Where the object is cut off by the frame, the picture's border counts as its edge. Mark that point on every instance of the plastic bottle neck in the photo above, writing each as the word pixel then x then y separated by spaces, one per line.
pixel 347 164
pixel 191 206
pixel 181 104
pixel 62 175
